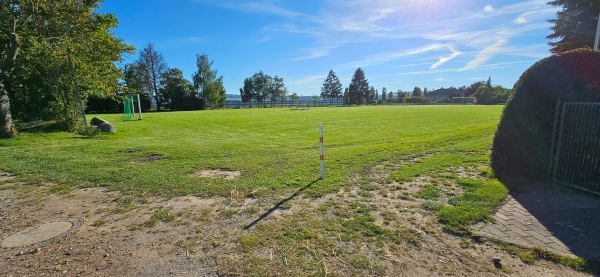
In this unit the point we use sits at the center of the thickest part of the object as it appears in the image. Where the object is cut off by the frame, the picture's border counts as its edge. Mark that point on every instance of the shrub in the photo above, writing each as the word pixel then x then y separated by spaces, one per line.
pixel 98 105
pixel 521 147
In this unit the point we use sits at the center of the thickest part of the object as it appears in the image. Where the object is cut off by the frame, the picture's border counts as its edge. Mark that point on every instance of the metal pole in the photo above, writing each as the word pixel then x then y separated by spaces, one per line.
pixel 322 153
pixel 132 106
pixel 139 107
pixel 597 33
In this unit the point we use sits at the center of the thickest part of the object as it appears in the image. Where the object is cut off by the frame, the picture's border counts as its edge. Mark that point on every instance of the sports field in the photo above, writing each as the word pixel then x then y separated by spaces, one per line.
pixel 236 193
pixel 271 148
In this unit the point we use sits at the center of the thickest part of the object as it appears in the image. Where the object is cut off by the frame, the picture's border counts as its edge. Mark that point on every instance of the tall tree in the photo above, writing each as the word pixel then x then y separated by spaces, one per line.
pixel 417 92
pixel 425 91
pixel 575 25
pixel 208 86
pixel 261 87
pixel 332 88
pixel 152 66
pixel 390 96
pixel 359 87
pixel 176 91
pixel 52 49
pixel 278 90
pixel 383 94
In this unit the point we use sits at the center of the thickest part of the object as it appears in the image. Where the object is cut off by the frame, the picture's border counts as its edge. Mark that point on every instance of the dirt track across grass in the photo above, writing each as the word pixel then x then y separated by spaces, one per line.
pixel 135 235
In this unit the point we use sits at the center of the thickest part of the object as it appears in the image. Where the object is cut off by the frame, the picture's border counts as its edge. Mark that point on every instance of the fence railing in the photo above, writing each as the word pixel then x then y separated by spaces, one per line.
pixel 576 153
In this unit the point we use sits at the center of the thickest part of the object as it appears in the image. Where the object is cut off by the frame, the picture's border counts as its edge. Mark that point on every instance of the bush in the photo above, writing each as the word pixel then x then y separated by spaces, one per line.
pixel 521 147
pixel 98 105
pixel 417 100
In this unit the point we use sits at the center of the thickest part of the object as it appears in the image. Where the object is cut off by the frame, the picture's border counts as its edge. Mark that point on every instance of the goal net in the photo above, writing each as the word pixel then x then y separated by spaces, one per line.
pixel 464 100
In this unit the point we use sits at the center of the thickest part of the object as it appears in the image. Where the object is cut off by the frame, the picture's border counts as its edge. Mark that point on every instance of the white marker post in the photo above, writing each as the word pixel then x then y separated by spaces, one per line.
pixel 322 153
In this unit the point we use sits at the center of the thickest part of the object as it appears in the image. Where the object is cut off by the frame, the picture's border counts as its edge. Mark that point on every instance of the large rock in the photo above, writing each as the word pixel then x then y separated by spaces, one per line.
pixel 103 125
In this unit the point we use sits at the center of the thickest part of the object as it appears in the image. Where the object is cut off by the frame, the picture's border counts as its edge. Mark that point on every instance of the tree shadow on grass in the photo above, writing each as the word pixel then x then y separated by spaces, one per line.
pixel 274 208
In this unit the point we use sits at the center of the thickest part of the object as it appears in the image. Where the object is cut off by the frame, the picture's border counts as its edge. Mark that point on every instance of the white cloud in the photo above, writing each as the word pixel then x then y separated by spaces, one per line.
pixel 440 79
pixel 489 9
pixel 386 57
pixel 520 20
pixel 486 54
pixel 446 59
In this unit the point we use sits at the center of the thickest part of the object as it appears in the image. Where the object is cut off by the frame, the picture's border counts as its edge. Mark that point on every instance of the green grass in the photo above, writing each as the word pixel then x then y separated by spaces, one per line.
pixel 272 148
pixel 478 202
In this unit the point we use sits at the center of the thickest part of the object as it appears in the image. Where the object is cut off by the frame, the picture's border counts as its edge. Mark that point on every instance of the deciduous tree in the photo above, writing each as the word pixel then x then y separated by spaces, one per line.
pixel 208 86
pixel 49 49
pixel 152 66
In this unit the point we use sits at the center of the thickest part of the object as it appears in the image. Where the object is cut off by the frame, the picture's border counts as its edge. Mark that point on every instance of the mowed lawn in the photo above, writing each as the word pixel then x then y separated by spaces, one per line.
pixel 272 148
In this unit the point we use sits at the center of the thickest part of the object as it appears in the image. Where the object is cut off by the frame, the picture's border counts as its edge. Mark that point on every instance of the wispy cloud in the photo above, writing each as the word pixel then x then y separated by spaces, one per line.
pixel 265 7
pixel 446 59
pixel 386 57
pixel 486 54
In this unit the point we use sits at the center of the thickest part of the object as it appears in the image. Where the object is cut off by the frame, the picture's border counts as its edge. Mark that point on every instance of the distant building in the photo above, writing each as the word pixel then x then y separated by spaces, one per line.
pixel 440 95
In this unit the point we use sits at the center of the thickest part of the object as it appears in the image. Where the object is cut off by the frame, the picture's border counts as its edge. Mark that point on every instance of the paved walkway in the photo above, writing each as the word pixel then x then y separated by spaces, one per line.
pixel 552 217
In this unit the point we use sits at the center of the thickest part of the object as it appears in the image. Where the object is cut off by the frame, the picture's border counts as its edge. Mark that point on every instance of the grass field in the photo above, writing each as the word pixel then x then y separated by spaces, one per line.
pixel 272 148
pixel 398 179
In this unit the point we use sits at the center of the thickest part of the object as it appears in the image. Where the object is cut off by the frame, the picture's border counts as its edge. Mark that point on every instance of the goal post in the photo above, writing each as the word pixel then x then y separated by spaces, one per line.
pixel 129 106
pixel 464 100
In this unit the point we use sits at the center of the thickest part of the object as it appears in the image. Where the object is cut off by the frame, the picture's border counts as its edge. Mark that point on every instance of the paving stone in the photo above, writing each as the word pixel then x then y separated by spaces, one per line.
pixel 551 217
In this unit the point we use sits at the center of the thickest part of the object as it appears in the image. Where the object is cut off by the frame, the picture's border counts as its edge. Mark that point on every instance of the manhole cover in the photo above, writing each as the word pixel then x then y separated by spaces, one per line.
pixel 41 233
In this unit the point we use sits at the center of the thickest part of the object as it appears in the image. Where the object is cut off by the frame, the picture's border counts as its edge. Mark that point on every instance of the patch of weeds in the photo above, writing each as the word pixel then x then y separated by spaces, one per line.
pixel 432 205
pixel 487 173
pixel 429 192
pixel 360 263
pixel 364 225
pixel 162 215
pixel 405 235
pixel 478 202
pixel 364 193
pixel 361 208
pixel 388 217
pixel 227 213
pixel 368 186
pixel 60 189
pixel 531 255
pixel 99 222
pixel 466 244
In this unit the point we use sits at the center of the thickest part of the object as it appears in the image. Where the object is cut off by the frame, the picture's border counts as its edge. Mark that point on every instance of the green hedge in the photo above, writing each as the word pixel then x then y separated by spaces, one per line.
pixel 521 147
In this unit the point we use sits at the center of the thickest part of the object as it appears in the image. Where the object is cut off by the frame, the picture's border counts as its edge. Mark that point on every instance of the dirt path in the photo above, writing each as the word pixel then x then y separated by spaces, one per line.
pixel 188 236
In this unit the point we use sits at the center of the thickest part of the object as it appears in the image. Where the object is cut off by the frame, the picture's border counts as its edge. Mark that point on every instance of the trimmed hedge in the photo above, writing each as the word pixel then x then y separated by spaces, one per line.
pixel 521 147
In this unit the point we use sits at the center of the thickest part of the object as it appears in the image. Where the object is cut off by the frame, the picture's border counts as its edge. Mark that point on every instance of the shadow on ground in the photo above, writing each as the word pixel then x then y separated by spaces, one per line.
pixel 552 215
pixel 271 210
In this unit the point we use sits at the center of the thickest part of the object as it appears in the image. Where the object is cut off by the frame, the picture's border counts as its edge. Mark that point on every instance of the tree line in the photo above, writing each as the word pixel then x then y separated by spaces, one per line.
pixel 168 89
pixel 57 55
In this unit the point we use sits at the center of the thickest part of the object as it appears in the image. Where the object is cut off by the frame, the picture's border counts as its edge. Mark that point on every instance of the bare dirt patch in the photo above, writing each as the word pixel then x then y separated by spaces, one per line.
pixel 216 173
pixel 192 236
pixel 149 158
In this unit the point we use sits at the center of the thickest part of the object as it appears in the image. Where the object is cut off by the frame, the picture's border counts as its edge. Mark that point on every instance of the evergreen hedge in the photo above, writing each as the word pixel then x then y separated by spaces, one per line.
pixel 521 146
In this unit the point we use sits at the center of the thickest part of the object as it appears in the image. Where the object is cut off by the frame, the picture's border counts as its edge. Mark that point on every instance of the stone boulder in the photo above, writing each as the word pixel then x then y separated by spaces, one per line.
pixel 103 125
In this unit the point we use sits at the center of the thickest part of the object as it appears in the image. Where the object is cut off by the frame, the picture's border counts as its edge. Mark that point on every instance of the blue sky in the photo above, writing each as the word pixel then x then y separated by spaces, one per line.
pixel 399 44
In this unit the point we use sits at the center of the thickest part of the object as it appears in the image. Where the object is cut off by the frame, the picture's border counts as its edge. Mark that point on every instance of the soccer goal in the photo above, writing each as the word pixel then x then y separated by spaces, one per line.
pixel 129 107
pixel 464 100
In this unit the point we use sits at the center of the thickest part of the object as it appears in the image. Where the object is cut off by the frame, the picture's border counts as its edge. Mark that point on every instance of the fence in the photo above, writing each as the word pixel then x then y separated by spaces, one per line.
pixel 233 104
pixel 576 147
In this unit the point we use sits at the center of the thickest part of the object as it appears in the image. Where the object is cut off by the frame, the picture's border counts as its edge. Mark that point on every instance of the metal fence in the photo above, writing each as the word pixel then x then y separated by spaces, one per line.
pixel 236 104
pixel 576 149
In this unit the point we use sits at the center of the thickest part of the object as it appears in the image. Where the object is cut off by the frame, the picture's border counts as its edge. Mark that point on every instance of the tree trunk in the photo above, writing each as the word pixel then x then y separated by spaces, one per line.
pixel 7 128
